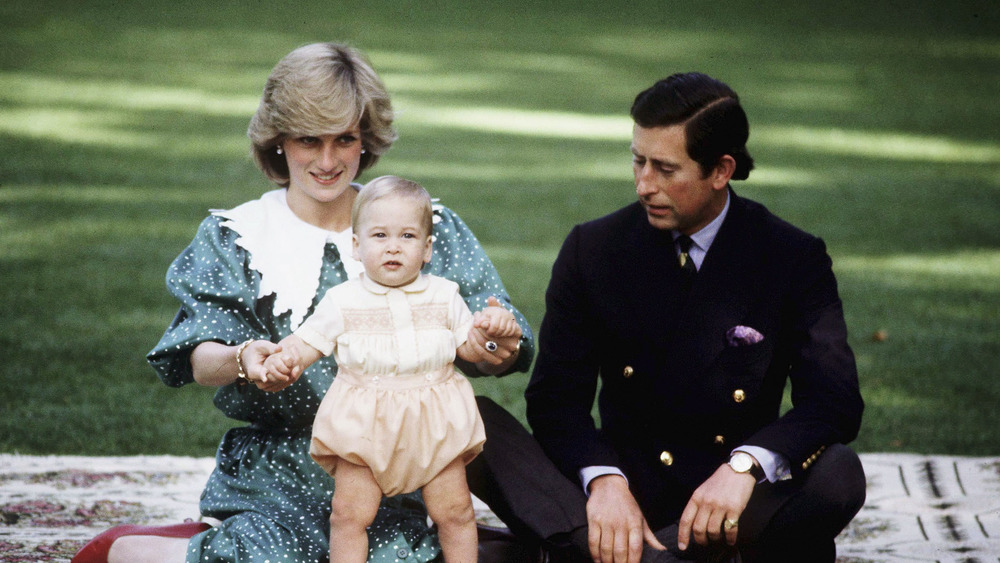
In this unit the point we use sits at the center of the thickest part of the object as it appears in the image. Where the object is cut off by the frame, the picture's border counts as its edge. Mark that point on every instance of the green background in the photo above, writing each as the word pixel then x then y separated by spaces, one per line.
pixel 874 126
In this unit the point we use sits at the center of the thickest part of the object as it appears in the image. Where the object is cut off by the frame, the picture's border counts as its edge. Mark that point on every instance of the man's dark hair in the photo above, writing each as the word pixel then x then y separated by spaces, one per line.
pixel 714 122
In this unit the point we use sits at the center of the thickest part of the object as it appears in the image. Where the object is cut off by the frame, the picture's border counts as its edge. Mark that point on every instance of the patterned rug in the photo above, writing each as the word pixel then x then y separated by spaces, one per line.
pixel 919 508
pixel 926 508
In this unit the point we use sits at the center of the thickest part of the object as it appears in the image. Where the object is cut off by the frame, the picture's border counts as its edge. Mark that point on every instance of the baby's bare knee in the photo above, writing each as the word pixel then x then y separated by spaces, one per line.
pixel 346 513
pixel 451 513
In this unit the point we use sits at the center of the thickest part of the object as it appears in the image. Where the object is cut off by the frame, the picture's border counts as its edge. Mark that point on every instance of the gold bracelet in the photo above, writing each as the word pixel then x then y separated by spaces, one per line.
pixel 241 374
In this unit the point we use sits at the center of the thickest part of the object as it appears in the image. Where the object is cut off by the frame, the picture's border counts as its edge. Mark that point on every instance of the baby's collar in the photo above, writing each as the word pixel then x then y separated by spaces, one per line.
pixel 419 284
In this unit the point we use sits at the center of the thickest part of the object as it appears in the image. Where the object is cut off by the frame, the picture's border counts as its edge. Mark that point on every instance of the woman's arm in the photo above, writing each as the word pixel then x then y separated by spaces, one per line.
pixel 215 364
pixel 217 312
pixel 458 256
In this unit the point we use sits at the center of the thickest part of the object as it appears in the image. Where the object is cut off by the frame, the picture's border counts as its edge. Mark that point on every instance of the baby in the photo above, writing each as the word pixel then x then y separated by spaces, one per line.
pixel 397 417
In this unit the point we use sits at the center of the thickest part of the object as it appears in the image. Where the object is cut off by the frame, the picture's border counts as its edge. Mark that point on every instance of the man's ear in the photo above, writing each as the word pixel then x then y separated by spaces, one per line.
pixel 723 171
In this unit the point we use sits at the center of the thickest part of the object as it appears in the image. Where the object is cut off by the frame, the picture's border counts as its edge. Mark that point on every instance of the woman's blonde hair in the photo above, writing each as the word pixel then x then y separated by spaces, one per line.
pixel 320 89
pixel 386 186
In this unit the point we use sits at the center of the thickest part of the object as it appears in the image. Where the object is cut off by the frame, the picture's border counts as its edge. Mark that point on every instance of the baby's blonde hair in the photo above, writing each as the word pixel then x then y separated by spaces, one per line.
pixel 386 186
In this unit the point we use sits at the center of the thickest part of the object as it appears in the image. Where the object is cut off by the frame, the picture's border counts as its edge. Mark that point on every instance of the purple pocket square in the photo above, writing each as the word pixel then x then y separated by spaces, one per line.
pixel 743 336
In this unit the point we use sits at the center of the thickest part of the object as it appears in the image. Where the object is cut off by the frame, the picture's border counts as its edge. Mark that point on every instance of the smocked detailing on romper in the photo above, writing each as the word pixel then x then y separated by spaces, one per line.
pixel 396 406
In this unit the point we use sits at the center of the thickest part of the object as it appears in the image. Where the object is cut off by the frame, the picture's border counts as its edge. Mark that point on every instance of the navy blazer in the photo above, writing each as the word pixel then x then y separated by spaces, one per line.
pixel 675 397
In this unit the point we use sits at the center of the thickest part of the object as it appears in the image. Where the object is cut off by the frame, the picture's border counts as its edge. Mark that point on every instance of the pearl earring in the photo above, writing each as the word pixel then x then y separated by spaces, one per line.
pixel 278 150
pixel 363 151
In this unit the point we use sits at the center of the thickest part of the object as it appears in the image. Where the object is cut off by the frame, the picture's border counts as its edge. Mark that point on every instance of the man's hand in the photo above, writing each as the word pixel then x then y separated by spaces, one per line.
pixel 723 496
pixel 616 526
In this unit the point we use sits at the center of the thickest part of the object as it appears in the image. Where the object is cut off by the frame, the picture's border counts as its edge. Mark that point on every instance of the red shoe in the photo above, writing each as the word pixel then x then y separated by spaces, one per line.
pixel 96 550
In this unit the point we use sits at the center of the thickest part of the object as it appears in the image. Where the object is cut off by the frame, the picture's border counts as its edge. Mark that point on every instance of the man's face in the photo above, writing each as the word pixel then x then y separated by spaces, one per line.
pixel 670 185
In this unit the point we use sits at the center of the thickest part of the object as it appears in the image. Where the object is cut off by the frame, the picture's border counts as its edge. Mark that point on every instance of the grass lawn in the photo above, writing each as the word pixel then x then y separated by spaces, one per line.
pixel 874 125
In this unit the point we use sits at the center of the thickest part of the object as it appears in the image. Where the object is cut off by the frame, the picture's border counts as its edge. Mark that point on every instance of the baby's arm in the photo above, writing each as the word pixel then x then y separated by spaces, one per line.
pixel 294 358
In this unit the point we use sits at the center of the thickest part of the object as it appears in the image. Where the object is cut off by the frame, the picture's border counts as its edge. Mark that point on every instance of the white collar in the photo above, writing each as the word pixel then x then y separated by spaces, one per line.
pixel 419 284
pixel 286 251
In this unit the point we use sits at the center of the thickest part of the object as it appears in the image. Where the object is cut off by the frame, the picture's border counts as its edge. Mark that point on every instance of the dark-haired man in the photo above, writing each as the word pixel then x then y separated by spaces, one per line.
pixel 694 307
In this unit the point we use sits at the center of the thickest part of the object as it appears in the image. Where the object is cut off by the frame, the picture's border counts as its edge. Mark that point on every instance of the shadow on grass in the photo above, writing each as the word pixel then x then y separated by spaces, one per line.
pixel 122 124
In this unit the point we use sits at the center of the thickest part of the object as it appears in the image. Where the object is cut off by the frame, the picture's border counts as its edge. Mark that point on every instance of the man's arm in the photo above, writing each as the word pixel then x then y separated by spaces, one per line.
pixel 826 398
pixel 774 465
pixel 563 385
pixel 826 401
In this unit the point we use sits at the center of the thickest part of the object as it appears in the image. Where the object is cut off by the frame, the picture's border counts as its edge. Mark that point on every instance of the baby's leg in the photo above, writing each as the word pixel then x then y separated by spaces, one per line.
pixel 449 505
pixel 356 497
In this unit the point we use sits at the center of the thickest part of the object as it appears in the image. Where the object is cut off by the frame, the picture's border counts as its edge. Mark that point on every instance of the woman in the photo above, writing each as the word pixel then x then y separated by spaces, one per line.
pixel 324 117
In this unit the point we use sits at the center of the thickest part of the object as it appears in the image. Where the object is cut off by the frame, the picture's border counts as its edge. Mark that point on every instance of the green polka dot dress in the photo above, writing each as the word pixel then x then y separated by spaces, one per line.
pixel 256 272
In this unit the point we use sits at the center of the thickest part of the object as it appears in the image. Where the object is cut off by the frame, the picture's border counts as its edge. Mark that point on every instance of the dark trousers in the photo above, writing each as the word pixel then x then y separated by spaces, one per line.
pixel 515 478
pixel 794 520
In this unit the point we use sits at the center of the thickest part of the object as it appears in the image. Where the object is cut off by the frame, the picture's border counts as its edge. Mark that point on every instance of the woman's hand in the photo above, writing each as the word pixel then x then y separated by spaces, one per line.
pixel 269 366
pixel 495 338
pixel 214 364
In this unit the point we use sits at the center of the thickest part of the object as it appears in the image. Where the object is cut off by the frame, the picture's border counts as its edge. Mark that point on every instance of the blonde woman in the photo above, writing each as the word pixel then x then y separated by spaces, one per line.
pixel 250 277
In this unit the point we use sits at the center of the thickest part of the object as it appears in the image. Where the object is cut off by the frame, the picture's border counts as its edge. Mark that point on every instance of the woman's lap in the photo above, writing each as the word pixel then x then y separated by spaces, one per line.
pixel 273 501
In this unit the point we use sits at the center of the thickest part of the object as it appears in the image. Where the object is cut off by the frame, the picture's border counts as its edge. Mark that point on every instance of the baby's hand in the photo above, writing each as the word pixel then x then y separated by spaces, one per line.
pixel 281 365
pixel 496 322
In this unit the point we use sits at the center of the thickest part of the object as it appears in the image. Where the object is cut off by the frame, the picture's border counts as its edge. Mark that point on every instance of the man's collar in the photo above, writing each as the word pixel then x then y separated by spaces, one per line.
pixel 706 236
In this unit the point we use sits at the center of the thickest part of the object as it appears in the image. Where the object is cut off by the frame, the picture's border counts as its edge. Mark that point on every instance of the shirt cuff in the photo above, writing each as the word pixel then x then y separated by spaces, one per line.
pixel 775 465
pixel 591 472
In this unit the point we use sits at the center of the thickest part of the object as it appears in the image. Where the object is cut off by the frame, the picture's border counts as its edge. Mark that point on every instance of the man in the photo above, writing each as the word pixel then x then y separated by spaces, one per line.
pixel 694 307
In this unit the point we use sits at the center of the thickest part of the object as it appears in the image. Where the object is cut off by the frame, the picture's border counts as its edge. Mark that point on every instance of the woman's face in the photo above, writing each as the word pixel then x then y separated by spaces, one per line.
pixel 322 168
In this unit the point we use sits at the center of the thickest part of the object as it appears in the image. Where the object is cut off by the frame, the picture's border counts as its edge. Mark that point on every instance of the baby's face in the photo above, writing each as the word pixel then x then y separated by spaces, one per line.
pixel 391 241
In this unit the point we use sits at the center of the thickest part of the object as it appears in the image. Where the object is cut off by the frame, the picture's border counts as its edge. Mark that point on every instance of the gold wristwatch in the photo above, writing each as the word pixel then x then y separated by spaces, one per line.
pixel 742 462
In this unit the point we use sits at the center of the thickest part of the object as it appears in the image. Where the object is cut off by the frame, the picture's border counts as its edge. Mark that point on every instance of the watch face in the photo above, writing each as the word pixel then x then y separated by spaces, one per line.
pixel 741 462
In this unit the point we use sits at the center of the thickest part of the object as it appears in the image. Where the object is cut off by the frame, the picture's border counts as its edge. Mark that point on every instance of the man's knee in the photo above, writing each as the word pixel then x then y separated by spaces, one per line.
pixel 832 492
pixel 839 469
pixel 495 416
pixel 520 483
pixel 804 515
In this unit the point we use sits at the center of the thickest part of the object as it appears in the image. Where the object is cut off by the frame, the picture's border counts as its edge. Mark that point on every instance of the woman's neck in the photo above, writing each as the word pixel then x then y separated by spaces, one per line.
pixel 332 215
